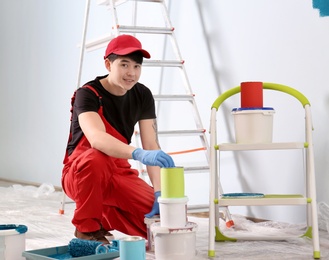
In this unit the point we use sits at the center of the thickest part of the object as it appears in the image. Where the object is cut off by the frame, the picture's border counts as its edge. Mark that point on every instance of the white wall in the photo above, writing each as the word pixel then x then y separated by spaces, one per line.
pixel 274 41
pixel 39 60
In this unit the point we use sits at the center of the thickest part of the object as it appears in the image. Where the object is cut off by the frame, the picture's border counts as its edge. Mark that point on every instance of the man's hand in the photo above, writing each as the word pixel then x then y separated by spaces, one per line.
pixel 153 158
pixel 155 209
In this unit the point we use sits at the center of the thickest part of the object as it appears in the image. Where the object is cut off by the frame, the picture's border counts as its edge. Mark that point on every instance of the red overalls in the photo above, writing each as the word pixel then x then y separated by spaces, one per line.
pixel 105 189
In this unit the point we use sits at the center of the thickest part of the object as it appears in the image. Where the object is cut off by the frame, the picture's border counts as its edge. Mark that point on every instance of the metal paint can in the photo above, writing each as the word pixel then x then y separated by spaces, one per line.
pixel 132 248
pixel 251 94
pixel 172 182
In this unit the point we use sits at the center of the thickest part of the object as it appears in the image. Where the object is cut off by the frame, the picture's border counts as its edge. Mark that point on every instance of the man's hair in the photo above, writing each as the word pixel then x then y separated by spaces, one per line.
pixel 136 56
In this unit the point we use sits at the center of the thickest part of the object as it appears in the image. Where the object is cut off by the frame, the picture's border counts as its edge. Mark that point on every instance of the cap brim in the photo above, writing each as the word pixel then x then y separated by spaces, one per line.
pixel 131 50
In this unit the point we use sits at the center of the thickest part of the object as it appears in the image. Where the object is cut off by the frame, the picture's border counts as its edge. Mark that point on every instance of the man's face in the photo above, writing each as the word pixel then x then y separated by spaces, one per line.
pixel 124 73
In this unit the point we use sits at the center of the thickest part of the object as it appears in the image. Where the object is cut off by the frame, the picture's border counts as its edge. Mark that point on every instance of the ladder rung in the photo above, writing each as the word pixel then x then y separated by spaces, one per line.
pixel 260 146
pixel 262 201
pixel 163 63
pixel 98 43
pixel 198 132
pixel 199 208
pixel 182 132
pixel 194 169
pixel 173 97
pixel 155 1
pixel 107 2
pixel 119 2
pixel 145 29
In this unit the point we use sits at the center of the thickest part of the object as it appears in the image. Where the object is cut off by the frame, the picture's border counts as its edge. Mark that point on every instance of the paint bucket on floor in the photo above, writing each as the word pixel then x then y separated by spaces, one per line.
pixel 253 125
pixel 150 241
pixel 173 212
pixel 12 241
pixel 174 243
pixel 172 182
pixel 132 248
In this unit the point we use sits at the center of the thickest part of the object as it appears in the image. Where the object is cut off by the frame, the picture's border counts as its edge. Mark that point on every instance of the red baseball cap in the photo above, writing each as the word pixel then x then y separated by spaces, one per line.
pixel 125 44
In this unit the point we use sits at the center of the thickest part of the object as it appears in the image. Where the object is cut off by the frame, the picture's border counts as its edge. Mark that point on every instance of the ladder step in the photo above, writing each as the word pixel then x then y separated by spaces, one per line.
pixel 119 2
pixel 199 208
pixel 155 1
pixel 195 169
pixel 173 97
pixel 163 63
pixel 197 132
pixel 98 43
pixel 145 29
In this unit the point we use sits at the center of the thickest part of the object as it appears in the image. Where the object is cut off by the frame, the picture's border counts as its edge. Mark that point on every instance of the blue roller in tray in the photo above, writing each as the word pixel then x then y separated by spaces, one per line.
pixel 77 249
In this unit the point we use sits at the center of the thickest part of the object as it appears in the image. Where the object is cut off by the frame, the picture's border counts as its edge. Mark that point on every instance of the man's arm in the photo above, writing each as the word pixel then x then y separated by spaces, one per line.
pixel 149 138
pixel 95 132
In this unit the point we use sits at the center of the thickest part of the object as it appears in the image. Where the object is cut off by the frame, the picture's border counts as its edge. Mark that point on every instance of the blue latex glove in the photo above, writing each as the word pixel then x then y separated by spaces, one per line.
pixel 153 158
pixel 155 209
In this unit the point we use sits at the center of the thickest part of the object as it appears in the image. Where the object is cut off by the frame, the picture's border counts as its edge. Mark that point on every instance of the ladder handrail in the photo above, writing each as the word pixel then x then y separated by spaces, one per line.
pixel 266 85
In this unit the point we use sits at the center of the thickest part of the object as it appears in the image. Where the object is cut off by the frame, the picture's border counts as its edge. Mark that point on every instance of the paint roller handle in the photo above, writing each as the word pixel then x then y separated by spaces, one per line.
pixel 155 209
pixel 153 158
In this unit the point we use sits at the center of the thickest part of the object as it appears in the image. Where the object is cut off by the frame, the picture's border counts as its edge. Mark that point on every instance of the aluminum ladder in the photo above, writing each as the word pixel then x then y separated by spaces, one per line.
pixel 186 95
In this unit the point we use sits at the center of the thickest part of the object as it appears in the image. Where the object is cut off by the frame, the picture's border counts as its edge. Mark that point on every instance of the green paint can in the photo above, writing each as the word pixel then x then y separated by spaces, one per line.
pixel 172 182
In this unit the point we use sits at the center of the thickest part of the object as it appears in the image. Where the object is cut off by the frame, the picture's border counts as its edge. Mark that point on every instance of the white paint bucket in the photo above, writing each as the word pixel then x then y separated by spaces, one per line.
pixel 173 212
pixel 149 222
pixel 12 242
pixel 253 125
pixel 174 243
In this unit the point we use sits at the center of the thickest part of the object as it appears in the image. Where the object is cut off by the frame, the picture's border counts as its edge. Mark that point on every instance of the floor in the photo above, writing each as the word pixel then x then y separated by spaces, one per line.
pixel 38 207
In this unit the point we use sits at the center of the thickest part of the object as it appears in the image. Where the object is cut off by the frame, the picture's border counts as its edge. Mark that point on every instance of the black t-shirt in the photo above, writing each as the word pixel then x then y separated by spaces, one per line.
pixel 122 112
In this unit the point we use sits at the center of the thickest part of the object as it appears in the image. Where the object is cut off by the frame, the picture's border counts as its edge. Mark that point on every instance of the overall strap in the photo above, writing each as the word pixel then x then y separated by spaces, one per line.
pixel 74 95
pixel 96 93
pixel 71 110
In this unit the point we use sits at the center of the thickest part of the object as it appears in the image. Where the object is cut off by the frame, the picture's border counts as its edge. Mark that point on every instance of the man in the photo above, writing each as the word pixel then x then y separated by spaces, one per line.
pixel 108 193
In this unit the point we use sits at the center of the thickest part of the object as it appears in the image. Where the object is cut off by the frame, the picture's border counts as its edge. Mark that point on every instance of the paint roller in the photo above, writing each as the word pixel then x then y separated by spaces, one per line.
pixel 81 247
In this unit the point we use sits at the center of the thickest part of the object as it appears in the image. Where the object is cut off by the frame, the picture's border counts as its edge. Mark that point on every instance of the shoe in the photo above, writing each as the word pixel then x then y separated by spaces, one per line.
pixel 94 236
pixel 109 236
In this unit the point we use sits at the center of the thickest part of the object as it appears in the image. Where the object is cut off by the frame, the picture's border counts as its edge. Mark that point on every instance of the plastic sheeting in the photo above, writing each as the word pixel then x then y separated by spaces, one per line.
pixel 38 207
